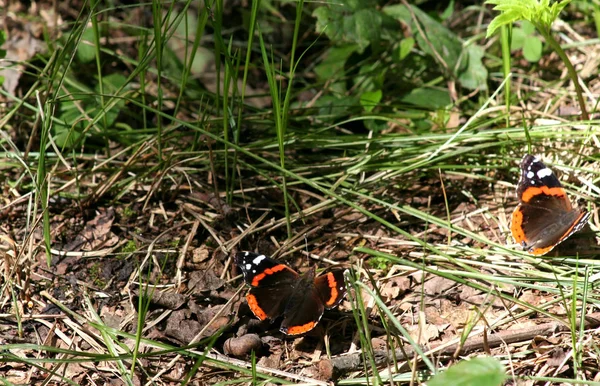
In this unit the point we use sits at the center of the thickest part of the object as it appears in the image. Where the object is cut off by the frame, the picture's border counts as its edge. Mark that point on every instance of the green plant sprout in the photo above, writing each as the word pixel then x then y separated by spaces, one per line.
pixel 541 14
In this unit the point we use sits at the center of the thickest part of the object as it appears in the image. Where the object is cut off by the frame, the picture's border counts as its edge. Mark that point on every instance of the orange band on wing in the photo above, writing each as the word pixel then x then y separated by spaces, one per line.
pixel 541 251
pixel 295 330
pixel 516 226
pixel 333 284
pixel 269 271
pixel 531 192
pixel 255 308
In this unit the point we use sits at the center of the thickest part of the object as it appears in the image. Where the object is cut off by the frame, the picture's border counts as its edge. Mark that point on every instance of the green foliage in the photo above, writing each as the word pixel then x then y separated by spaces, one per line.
pixel 483 371
pixel 460 61
pixel 403 49
pixel 541 14
pixel 428 98
pixel 524 38
pixel 371 61
pixel 538 12
pixel 370 99
pixel 129 247
pixel 86 50
pixel 357 22
pixel 474 76
pixel 380 263
pixel 69 129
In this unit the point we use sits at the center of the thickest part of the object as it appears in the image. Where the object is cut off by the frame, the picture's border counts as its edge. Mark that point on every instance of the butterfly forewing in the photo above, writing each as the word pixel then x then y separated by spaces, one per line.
pixel 262 271
pixel 272 284
pixel 544 216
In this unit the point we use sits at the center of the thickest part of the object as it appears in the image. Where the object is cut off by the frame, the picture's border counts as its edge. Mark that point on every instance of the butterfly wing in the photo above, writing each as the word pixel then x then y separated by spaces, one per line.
pixel 306 307
pixel 544 216
pixel 303 312
pixel 271 282
pixel 331 287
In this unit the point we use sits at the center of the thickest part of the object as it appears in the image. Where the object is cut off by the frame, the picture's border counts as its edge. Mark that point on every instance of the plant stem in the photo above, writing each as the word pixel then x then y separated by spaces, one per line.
pixel 505 38
pixel 572 73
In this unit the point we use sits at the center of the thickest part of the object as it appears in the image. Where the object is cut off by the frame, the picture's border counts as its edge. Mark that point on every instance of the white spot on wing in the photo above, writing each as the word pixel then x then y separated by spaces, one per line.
pixel 258 259
pixel 248 266
pixel 530 174
pixel 544 173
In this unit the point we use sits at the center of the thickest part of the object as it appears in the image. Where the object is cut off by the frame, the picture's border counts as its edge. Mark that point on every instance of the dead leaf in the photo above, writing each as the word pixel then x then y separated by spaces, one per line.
pixel 438 285
pixel 97 233
pixel 21 45
pixel 395 286
pixel 557 358
pixel 200 254
pixel 168 300
pixel 423 335
pixel 203 281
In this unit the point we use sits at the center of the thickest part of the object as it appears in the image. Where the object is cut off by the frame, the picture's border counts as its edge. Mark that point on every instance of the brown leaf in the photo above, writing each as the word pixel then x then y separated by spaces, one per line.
pixel 21 45
pixel 438 285
pixel 201 281
pixel 394 287
pixel 168 300
pixel 423 335
pixel 181 328
pixel 97 232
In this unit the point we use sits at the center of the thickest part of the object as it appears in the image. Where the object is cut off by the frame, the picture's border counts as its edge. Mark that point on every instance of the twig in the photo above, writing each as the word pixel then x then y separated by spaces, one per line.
pixel 279 373
pixel 354 362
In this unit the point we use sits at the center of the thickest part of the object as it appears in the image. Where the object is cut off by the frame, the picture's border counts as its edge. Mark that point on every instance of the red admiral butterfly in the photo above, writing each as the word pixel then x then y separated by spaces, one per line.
pixel 544 217
pixel 277 290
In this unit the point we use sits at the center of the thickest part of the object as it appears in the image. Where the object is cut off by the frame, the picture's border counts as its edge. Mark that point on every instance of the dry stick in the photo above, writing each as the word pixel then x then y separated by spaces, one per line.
pixel 183 253
pixel 251 228
pixel 236 362
pixel 353 362
pixel 105 187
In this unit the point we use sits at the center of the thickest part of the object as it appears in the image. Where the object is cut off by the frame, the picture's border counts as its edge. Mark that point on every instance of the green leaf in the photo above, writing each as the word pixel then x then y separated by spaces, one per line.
pixel 334 62
pixel 86 50
pixel 349 23
pixel 483 371
pixel 364 27
pixel 517 39
pixel 500 20
pixel 371 77
pixel 476 74
pixel 332 106
pixel 370 99
pixel 332 67
pixel 429 98
pixel 538 12
pixel 448 11
pixel 527 27
pixel 111 84
pixel 2 40
pixel 532 49
pixel 376 126
pixel 404 48
pixel 438 38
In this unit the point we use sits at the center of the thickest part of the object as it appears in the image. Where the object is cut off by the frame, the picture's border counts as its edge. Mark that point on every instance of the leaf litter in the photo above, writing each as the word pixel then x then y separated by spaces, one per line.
pixel 110 258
